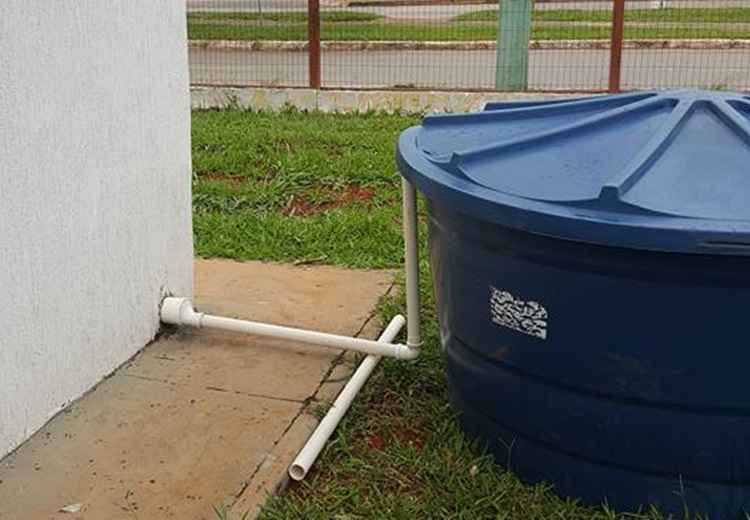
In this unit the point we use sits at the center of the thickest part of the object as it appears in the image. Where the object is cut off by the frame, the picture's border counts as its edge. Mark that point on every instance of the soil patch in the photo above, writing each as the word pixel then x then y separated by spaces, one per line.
pixel 326 199
pixel 223 177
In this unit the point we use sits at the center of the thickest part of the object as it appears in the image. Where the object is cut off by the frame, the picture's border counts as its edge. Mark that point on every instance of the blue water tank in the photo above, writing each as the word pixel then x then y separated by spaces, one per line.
pixel 591 265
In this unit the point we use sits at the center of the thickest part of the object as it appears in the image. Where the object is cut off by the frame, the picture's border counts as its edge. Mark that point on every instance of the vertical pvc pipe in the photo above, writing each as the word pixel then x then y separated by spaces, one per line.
pixel 313 41
pixel 314 445
pixel 615 48
pixel 513 35
pixel 411 261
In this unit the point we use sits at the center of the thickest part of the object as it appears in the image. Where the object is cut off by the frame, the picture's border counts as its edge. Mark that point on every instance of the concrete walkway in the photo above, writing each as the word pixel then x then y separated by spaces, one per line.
pixel 198 419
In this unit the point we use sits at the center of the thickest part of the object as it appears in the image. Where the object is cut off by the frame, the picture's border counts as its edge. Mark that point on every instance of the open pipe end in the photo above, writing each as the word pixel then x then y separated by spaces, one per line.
pixel 297 472
pixel 398 321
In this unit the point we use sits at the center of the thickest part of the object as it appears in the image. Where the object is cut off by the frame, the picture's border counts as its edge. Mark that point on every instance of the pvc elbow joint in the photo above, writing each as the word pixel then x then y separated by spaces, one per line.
pixel 407 353
pixel 180 311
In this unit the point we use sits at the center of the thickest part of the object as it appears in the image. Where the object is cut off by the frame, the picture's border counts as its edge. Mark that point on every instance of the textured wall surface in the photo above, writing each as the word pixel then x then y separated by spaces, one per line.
pixel 95 222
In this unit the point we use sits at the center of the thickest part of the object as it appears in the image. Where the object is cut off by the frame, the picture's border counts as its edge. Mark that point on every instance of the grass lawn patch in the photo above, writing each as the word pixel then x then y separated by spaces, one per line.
pixel 399 453
pixel 448 32
pixel 343 32
pixel 291 186
pixel 356 25
pixel 686 15
pixel 283 16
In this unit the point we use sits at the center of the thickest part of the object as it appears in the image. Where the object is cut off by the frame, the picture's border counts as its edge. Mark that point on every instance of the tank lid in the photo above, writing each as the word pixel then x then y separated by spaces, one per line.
pixel 665 171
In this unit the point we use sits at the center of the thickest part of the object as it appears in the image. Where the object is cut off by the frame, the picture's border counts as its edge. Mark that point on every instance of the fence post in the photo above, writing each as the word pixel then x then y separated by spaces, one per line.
pixel 313 42
pixel 615 48
pixel 513 34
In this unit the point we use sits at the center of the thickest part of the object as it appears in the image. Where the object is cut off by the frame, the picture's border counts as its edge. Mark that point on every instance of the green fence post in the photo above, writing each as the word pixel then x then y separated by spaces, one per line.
pixel 514 32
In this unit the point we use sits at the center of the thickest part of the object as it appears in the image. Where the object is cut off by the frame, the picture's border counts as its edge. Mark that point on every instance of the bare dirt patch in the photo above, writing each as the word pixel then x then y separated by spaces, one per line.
pixel 411 437
pixel 406 437
pixel 321 200
pixel 222 177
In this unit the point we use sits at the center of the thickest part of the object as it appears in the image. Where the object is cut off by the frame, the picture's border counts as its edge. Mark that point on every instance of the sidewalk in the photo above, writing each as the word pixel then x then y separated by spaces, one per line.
pixel 199 418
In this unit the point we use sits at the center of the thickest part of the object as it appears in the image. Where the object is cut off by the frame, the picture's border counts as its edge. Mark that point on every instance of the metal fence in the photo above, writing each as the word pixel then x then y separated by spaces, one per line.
pixel 553 45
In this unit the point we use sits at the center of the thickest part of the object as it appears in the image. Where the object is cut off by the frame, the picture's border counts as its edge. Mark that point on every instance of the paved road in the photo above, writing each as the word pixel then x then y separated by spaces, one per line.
pixel 436 12
pixel 549 70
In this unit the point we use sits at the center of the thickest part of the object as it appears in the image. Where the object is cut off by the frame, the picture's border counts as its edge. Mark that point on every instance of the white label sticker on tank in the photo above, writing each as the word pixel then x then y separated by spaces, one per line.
pixel 526 317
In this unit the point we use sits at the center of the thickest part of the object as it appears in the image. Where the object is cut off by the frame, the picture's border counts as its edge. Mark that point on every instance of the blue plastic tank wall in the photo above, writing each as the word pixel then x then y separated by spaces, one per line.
pixel 628 384
pixel 591 262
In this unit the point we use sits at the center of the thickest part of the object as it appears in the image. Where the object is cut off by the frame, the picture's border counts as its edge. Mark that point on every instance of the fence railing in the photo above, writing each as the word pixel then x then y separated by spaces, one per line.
pixel 553 45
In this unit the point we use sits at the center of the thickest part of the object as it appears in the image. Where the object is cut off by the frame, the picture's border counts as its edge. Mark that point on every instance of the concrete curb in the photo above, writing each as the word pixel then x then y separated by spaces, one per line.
pixel 389 45
pixel 414 102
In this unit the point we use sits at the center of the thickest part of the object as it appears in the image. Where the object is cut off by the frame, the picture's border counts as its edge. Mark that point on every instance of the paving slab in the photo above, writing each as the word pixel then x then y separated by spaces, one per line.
pixel 199 418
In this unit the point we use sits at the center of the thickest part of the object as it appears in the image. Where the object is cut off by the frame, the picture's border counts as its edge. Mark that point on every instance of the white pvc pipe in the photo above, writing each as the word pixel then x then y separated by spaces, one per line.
pixel 411 260
pixel 309 453
pixel 179 311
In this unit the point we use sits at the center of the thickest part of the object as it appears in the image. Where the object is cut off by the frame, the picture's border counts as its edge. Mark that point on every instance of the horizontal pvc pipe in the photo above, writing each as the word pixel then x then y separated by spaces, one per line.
pixel 179 311
pixel 309 453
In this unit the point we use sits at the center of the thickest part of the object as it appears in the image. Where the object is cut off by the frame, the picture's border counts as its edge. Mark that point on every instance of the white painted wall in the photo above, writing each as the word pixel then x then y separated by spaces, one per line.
pixel 95 213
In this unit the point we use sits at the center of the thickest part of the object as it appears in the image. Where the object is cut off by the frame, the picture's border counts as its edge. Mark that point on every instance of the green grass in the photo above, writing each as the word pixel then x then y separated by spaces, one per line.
pixel 451 32
pixel 349 32
pixel 355 25
pixel 399 453
pixel 249 175
pixel 283 16
pixel 685 15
